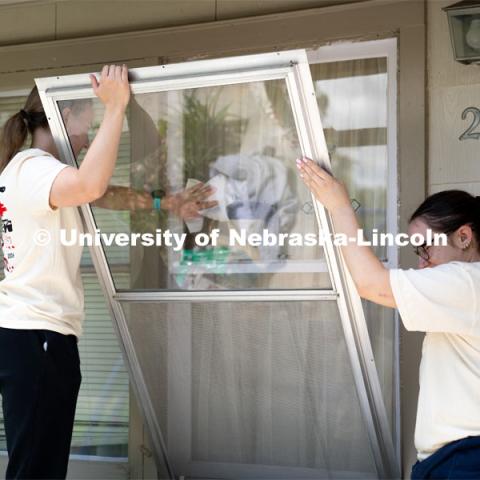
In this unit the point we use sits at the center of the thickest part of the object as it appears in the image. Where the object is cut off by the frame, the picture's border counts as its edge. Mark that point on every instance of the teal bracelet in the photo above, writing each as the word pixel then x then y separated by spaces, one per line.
pixel 156 203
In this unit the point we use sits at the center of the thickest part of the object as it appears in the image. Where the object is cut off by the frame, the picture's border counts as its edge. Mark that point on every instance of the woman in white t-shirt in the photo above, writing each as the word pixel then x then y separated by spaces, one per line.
pixel 41 296
pixel 441 298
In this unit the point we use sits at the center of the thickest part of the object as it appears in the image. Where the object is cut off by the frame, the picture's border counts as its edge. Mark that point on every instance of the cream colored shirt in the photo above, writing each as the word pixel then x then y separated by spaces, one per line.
pixel 443 301
pixel 42 288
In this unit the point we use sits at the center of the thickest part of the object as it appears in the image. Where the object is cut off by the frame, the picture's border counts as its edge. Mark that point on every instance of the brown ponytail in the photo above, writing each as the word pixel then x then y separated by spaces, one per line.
pixel 18 126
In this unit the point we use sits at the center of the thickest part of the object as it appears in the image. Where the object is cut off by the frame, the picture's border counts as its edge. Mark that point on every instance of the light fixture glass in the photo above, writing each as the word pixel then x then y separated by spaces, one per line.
pixel 464 23
pixel 473 34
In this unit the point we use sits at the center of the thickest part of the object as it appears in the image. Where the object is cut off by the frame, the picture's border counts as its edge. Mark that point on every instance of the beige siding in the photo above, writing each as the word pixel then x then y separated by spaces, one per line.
pixel 78 19
pixel 472 187
pixel 243 8
pixel 452 161
pixel 26 23
pixel 59 19
pixel 452 88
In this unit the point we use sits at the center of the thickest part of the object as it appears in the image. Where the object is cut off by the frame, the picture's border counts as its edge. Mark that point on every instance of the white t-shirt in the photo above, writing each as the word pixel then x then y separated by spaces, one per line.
pixel 443 301
pixel 42 288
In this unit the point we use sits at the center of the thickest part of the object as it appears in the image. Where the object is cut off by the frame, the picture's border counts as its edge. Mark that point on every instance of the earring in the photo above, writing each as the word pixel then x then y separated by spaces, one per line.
pixel 466 246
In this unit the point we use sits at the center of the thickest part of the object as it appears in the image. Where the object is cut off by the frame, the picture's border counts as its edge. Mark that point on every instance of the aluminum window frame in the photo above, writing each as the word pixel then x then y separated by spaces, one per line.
pixel 293 66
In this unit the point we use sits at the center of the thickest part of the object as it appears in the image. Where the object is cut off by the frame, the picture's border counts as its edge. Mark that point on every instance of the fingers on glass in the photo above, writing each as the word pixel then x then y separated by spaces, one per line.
pixel 310 176
pixel 308 165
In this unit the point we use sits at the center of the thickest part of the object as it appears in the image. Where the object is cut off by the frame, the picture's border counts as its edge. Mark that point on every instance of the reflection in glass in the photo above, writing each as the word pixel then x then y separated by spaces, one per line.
pixel 352 99
pixel 252 384
pixel 381 330
pixel 240 140
pixel 464 32
pixel 102 413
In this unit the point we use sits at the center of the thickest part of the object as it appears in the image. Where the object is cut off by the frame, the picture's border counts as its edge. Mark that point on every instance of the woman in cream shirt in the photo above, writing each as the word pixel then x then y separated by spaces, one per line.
pixel 41 296
pixel 440 298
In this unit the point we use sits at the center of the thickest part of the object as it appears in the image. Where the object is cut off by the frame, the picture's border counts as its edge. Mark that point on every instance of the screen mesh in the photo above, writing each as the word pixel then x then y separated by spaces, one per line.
pixel 252 384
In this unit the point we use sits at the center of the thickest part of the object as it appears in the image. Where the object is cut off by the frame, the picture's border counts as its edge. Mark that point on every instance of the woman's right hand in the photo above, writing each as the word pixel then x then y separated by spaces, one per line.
pixel 113 88
pixel 325 187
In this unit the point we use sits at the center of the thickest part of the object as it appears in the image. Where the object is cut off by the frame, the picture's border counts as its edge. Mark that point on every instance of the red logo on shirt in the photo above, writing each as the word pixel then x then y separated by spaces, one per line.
pixel 3 209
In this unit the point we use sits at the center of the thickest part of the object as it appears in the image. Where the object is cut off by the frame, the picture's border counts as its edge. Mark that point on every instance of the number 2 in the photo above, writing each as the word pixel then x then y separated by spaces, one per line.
pixel 469 132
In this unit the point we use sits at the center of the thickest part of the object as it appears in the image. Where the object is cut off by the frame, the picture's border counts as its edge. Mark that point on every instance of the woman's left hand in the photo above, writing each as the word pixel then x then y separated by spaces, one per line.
pixel 330 192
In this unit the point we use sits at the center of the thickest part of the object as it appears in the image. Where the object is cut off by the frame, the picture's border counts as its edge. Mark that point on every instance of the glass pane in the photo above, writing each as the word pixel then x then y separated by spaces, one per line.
pixel 465 34
pixel 381 329
pixel 352 99
pixel 102 414
pixel 242 388
pixel 241 139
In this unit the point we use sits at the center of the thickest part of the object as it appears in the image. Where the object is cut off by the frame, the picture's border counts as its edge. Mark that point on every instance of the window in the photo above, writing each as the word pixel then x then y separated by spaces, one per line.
pixel 244 360
pixel 232 137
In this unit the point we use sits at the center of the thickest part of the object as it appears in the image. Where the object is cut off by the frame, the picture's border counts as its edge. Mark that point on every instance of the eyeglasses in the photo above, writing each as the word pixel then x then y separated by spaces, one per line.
pixel 422 252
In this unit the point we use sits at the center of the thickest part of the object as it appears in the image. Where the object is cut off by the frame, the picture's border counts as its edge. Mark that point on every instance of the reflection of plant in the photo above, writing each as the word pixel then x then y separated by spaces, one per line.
pixel 209 132
pixel 162 126
pixel 277 94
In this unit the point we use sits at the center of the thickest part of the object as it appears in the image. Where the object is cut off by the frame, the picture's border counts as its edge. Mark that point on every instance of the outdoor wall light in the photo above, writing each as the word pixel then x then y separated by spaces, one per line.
pixel 464 22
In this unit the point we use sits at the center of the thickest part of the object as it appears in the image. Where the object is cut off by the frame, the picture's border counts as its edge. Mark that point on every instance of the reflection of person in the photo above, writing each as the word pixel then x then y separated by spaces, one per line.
pixel 41 297
pixel 441 299
pixel 185 204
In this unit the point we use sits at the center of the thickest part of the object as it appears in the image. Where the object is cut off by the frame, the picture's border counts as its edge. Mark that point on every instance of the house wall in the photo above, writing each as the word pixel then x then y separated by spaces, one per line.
pixel 453 164
pixel 47 20
pixel 49 46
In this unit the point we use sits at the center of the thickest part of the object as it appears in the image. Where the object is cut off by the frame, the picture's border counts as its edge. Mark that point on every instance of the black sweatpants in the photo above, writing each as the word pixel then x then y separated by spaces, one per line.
pixel 39 383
